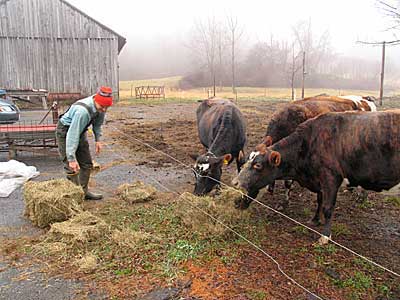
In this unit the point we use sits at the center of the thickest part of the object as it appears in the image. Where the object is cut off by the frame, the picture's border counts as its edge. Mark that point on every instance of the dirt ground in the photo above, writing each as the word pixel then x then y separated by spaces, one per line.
pixel 371 228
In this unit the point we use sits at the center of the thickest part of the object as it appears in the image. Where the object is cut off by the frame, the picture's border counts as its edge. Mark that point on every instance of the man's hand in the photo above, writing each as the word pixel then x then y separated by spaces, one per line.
pixel 74 166
pixel 98 147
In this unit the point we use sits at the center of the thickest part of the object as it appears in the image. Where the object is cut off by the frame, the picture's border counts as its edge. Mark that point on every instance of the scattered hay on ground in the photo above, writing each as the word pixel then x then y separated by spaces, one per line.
pixel 88 263
pixel 193 209
pixel 51 201
pixel 78 231
pixel 136 192
pixel 129 238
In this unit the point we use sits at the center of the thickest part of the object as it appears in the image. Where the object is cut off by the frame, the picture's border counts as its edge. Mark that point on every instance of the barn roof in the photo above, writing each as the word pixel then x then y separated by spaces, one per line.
pixel 121 39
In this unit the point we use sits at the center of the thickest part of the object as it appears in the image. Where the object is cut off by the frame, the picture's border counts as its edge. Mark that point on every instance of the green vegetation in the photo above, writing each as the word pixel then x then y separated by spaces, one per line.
pixel 393 200
pixel 257 295
pixel 300 229
pixel 340 229
pixel 153 237
pixel 359 281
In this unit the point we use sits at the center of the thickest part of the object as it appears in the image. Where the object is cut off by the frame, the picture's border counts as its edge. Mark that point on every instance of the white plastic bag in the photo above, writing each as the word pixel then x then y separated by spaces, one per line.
pixel 13 174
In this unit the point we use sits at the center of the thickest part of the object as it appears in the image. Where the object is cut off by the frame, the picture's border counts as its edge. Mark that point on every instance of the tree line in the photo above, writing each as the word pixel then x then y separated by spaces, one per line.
pixel 218 50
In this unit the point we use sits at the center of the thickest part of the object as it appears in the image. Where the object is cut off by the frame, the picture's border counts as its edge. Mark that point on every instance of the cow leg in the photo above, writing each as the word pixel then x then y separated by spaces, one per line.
pixel 328 205
pixel 239 163
pixel 288 189
pixel 271 187
pixel 316 220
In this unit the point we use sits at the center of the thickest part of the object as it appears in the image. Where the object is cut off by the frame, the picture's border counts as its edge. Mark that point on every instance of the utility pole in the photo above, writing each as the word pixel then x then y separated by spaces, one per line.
pixel 384 43
pixel 304 74
pixel 214 85
pixel 382 73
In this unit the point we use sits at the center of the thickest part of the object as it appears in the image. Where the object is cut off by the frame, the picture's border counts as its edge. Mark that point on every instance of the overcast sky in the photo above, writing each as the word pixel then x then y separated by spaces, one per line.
pixel 346 20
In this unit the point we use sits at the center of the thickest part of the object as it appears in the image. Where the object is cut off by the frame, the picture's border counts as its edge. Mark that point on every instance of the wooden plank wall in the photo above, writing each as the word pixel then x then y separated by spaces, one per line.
pixel 45 44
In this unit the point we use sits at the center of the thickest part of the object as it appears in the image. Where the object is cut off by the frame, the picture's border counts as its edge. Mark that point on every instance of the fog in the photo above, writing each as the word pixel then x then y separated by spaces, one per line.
pixel 160 33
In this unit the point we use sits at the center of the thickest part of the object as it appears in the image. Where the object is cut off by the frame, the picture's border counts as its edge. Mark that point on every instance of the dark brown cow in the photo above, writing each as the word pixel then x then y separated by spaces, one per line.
pixel 286 120
pixel 362 147
pixel 222 131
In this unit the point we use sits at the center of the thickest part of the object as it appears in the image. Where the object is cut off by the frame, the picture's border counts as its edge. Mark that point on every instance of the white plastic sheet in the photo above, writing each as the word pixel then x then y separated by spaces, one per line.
pixel 13 174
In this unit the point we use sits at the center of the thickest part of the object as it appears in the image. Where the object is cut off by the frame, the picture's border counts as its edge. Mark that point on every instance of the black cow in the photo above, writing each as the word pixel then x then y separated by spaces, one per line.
pixel 362 147
pixel 222 131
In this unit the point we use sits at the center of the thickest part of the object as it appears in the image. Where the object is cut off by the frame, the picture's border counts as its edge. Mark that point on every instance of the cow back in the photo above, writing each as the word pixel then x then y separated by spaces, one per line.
pixel 286 120
pixel 221 126
pixel 362 147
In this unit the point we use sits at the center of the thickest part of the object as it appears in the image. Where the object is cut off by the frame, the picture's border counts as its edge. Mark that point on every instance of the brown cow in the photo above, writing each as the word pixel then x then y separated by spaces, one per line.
pixel 286 120
pixel 362 147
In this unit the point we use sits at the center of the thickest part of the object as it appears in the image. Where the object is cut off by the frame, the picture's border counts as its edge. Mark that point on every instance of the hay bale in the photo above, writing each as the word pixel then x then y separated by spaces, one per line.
pixel 52 201
pixel 193 211
pixel 136 192
pixel 87 263
pixel 78 231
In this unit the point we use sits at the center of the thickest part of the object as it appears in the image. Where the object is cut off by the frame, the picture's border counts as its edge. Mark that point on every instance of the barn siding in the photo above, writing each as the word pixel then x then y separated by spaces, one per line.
pixel 46 44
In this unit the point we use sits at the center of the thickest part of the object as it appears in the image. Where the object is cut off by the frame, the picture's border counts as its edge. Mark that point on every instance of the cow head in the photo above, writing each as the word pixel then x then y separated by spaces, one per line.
pixel 260 170
pixel 208 171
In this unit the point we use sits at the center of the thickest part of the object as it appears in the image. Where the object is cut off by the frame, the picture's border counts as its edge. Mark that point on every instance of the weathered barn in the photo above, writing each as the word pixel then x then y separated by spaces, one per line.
pixel 52 45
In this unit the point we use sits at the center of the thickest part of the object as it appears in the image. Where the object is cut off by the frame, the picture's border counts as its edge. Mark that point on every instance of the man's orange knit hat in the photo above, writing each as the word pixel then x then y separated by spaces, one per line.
pixel 104 96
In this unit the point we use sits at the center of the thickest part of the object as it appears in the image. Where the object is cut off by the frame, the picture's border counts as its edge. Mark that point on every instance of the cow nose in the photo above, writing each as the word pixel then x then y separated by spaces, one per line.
pixel 235 182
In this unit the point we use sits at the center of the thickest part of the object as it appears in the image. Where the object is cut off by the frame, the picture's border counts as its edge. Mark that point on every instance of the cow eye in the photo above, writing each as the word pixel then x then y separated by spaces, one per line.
pixel 257 166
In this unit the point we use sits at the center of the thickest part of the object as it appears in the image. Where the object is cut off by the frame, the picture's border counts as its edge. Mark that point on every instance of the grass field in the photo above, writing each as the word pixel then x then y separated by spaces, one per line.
pixel 173 93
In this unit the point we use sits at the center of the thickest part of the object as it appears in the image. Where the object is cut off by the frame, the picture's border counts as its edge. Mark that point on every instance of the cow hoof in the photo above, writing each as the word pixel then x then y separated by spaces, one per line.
pixel 280 207
pixel 241 204
pixel 270 189
pixel 323 240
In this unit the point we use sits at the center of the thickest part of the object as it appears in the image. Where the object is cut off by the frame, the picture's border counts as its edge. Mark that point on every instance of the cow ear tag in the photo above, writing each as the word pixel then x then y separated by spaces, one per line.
pixel 226 162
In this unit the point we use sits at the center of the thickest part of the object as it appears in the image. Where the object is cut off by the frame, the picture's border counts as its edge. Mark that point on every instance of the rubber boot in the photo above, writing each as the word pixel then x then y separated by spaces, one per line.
pixel 84 175
pixel 74 178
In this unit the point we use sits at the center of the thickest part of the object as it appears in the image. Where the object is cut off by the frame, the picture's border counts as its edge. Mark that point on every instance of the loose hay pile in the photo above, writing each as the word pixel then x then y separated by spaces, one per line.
pixel 87 263
pixel 129 238
pixel 137 192
pixel 78 231
pixel 221 207
pixel 52 201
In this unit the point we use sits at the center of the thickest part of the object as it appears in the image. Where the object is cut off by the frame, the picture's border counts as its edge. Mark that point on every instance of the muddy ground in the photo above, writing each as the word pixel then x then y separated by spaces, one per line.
pixel 370 228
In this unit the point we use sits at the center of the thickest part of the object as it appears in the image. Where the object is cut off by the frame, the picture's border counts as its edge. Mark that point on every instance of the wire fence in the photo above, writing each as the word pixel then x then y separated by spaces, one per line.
pixel 262 204
pixel 258 248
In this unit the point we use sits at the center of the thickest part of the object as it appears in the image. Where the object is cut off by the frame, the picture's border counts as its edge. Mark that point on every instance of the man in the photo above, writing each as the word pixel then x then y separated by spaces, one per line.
pixel 72 140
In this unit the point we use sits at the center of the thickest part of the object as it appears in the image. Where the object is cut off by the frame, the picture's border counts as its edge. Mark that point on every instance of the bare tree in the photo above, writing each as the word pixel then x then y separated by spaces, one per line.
pixel 204 45
pixel 391 9
pixel 235 34
pixel 221 46
pixel 316 48
pixel 295 66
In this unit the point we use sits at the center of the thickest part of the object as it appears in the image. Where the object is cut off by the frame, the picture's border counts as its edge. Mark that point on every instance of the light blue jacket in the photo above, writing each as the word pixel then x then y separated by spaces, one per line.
pixel 77 118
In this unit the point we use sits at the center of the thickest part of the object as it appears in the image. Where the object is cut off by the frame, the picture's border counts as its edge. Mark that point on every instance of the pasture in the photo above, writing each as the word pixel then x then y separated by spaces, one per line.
pixel 167 253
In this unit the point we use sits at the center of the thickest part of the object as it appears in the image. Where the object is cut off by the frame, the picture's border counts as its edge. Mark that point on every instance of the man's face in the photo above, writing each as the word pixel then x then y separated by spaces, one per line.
pixel 100 108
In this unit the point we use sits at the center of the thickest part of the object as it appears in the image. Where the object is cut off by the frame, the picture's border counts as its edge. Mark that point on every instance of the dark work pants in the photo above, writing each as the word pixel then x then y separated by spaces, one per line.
pixel 83 156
